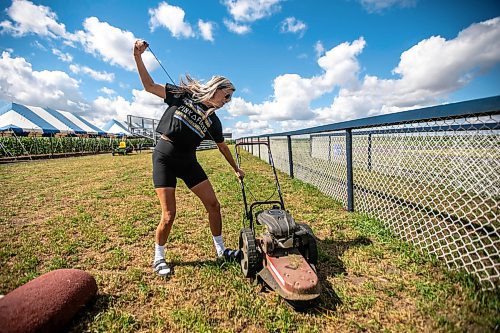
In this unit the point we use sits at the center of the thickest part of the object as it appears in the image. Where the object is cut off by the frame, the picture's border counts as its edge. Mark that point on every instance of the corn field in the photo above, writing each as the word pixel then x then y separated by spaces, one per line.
pixel 15 146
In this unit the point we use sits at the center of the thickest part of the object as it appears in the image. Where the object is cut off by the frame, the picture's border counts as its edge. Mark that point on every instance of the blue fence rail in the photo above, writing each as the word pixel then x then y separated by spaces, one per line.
pixel 431 175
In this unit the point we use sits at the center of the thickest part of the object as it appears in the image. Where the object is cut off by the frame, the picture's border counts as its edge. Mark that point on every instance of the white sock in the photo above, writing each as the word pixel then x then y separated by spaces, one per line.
pixel 159 252
pixel 219 245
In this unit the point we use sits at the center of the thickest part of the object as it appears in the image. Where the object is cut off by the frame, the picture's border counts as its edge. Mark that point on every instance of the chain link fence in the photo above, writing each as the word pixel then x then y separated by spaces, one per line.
pixel 433 182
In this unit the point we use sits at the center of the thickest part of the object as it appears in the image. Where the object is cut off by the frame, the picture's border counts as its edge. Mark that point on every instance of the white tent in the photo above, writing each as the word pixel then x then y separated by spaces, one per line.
pixel 117 127
pixel 24 119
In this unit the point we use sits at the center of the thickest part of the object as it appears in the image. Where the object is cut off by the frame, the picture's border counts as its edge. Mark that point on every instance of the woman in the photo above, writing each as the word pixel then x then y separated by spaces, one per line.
pixel 189 119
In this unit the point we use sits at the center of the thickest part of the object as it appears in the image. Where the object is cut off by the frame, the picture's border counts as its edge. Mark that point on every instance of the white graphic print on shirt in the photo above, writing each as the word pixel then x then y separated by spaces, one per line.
pixel 193 116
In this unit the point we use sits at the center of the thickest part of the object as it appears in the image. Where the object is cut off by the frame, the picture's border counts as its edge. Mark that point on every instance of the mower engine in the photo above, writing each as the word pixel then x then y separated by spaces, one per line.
pixel 280 230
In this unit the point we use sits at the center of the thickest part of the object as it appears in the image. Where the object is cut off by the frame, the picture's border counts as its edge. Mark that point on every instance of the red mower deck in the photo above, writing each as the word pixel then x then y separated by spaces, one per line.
pixel 294 279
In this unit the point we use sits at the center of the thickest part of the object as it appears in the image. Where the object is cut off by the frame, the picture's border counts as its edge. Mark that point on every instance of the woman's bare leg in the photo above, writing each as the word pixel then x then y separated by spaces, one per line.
pixel 167 202
pixel 205 192
pixel 166 195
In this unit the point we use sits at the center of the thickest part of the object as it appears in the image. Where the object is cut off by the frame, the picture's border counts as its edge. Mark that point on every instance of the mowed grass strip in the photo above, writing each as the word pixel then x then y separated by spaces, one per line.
pixel 99 213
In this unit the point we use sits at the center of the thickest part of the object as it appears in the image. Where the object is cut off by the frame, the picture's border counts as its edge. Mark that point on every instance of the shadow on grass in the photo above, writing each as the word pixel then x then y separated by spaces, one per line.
pixel 219 263
pixel 330 264
pixel 86 315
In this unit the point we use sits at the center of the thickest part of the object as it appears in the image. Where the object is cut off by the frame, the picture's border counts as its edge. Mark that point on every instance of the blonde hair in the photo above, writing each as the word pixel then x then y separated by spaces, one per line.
pixel 202 92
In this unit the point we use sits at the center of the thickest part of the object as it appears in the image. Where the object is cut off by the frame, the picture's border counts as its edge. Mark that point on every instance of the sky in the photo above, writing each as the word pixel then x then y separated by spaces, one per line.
pixel 295 63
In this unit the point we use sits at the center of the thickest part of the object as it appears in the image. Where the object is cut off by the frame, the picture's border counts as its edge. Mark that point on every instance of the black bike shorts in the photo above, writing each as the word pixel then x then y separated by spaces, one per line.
pixel 168 165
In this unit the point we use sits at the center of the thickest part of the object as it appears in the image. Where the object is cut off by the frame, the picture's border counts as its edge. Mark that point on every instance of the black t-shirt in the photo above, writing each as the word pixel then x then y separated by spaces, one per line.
pixel 184 121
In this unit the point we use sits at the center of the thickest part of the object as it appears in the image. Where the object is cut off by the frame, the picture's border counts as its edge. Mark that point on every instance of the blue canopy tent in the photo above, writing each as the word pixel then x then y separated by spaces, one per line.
pixel 23 120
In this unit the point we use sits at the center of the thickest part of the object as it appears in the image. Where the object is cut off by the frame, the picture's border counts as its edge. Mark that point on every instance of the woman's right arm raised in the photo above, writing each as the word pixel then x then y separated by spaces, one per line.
pixel 159 90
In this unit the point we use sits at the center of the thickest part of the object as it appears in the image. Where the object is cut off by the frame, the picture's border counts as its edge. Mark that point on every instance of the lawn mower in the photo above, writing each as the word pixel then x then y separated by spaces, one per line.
pixel 122 149
pixel 284 255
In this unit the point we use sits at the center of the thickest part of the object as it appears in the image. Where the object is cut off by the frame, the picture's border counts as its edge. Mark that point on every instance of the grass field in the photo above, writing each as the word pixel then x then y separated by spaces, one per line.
pixel 98 213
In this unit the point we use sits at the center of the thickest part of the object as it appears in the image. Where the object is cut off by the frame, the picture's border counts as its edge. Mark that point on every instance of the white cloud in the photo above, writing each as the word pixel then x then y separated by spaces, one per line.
pixel 293 94
pixel 428 72
pixel 251 10
pixel 291 125
pixel 38 45
pixel 112 44
pixel 319 49
pixel 123 85
pixel 239 29
pixel 244 12
pixel 107 91
pixel 56 89
pixel 239 107
pixel 29 18
pixel 66 57
pixel 377 6
pixel 206 30
pixel 340 66
pixel 292 25
pixel 143 104
pixel 245 129
pixel 172 18
pixel 96 75
pixel 438 65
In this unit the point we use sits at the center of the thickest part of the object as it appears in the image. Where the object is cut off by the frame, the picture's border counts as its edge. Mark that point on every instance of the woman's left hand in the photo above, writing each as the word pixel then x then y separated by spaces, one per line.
pixel 240 174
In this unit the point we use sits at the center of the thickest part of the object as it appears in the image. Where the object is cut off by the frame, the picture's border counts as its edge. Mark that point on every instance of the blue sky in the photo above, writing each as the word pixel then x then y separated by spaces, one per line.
pixel 295 64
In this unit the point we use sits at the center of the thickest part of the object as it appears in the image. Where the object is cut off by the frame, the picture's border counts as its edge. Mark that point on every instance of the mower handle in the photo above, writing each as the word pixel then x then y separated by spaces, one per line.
pixel 248 210
pixel 257 203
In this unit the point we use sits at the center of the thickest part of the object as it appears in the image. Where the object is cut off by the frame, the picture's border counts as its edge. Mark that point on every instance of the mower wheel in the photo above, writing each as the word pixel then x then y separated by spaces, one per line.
pixel 249 256
pixel 310 249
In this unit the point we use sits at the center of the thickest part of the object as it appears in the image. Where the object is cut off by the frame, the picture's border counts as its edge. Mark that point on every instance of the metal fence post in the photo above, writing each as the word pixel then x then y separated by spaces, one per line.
pixel 251 146
pixel 369 152
pixel 269 146
pixel 290 158
pixel 329 147
pixel 350 185
pixel 258 146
